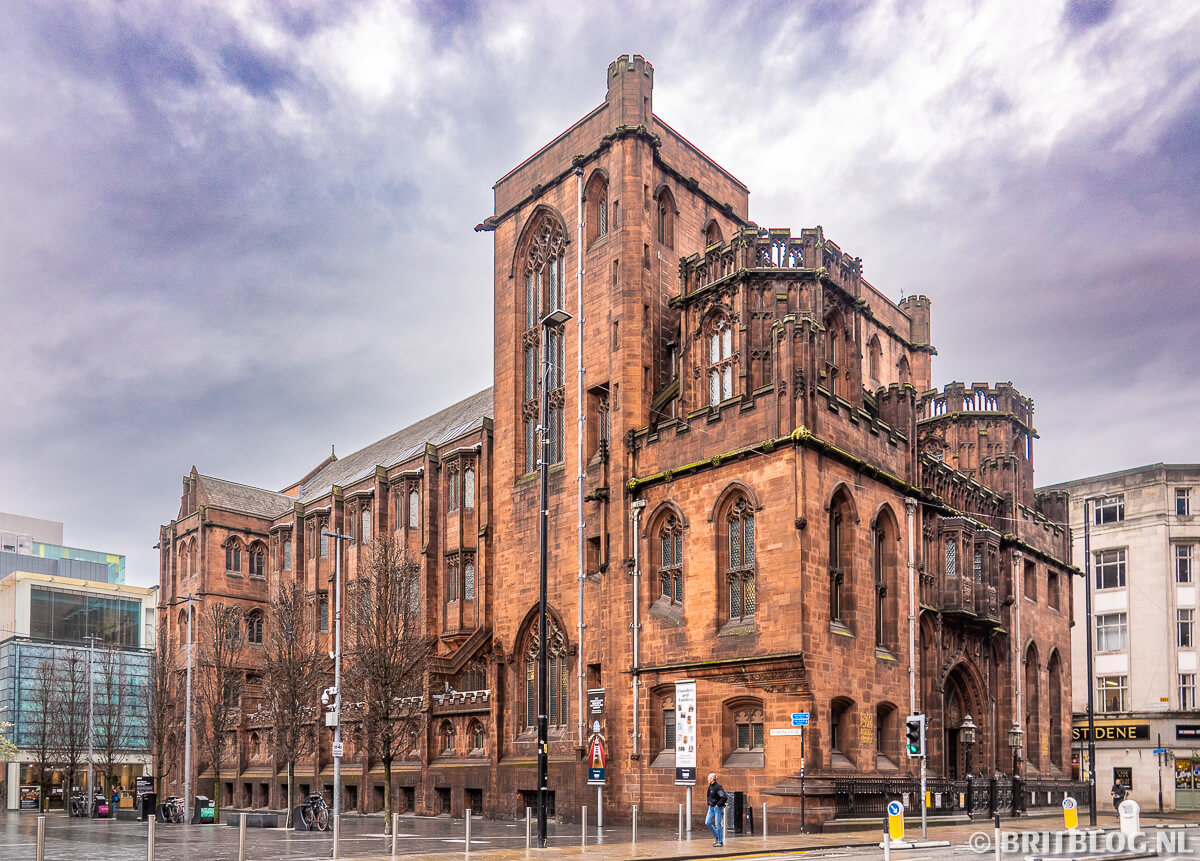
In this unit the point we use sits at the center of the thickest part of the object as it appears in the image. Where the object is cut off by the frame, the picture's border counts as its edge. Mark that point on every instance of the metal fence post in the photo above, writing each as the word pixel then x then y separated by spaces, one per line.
pixel 468 842
pixel 337 835
pixel 634 824
pixel 764 819
pixel 395 828
pixel 528 825
pixel 241 837
pixel 583 827
pixel 41 839
pixel 150 837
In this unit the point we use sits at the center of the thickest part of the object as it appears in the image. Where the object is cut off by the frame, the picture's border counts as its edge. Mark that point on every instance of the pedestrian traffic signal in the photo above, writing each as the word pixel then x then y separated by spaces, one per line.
pixel 915 736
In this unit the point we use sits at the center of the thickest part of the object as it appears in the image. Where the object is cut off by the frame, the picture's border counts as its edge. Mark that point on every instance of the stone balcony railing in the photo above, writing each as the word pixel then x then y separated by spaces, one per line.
pixel 767 249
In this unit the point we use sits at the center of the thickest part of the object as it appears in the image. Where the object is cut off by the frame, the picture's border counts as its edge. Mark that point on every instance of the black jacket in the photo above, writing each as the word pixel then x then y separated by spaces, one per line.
pixel 716 795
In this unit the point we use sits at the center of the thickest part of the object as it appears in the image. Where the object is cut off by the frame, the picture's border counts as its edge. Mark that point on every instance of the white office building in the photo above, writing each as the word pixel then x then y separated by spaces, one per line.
pixel 1144 533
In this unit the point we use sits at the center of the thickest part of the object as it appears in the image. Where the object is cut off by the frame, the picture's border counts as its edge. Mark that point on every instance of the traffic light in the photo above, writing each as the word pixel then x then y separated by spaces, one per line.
pixel 915 736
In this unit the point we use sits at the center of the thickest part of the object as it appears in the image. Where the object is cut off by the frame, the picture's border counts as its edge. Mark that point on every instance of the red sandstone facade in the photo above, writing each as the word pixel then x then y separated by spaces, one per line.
pixel 748 464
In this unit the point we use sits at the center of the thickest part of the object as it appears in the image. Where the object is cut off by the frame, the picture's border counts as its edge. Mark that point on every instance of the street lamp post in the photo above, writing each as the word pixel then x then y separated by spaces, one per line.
pixel 1091 684
pixel 337 536
pixel 966 734
pixel 555 318
pixel 1014 741
pixel 91 792
pixel 187 719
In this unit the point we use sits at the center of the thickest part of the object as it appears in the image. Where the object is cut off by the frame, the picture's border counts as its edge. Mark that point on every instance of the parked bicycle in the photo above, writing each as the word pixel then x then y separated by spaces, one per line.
pixel 315 813
pixel 172 809
pixel 79 805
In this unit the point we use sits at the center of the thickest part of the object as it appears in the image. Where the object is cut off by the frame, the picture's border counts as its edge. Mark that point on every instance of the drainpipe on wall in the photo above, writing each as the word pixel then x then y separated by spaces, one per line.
pixel 580 431
pixel 636 507
pixel 1018 676
pixel 910 510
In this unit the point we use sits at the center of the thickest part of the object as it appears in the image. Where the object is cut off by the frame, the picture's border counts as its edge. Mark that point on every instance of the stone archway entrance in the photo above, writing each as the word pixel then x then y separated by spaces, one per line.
pixel 959 698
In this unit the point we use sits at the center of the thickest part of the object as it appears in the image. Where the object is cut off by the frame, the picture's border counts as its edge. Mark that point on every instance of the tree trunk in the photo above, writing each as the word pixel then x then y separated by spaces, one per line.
pixel 387 795
pixel 216 792
pixel 290 784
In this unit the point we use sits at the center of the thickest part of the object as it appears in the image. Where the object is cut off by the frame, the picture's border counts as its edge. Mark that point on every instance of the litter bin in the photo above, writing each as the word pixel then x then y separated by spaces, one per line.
pixel 738 825
pixel 149 803
pixel 204 812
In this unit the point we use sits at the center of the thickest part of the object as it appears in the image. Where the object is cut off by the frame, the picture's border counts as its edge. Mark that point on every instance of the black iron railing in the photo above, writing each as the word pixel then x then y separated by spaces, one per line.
pixel 866 797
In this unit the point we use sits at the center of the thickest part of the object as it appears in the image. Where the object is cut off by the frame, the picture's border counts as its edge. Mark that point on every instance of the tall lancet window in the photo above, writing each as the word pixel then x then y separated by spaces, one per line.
pixel 544 292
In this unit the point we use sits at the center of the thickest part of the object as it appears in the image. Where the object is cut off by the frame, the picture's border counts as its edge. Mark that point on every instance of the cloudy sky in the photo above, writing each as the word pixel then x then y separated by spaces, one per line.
pixel 235 233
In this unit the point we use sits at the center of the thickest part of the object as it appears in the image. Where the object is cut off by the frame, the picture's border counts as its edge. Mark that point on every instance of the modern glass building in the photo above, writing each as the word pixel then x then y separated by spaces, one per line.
pixel 68 637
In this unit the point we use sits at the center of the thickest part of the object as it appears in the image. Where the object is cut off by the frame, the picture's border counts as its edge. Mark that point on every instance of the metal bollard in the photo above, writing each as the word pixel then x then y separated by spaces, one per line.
pixel 764 819
pixel 41 839
pixel 634 824
pixel 583 828
pixel 241 837
pixel 528 826
pixel 681 822
pixel 467 845
pixel 150 837
pixel 395 829
pixel 337 835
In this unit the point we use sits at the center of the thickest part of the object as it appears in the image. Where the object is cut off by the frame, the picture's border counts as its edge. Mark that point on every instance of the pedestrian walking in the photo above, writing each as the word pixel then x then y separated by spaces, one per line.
pixel 717 799
pixel 1119 791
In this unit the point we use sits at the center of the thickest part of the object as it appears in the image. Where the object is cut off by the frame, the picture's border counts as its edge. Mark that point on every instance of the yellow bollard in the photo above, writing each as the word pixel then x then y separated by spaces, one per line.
pixel 1070 813
pixel 895 815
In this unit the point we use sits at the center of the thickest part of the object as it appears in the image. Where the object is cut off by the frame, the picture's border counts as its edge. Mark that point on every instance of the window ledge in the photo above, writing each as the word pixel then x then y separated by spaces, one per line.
pixel 666 759
pixel 745 759
pixel 237 574
pixel 667 611
pixel 883 653
pixel 738 628
pixel 840 629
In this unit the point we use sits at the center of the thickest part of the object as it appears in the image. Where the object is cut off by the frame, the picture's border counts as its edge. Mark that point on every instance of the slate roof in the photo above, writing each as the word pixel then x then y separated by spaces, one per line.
pixel 243 497
pixel 454 421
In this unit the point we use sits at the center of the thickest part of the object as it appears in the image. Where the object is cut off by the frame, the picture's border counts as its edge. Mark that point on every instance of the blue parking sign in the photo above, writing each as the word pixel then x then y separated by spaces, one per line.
pixel 799 718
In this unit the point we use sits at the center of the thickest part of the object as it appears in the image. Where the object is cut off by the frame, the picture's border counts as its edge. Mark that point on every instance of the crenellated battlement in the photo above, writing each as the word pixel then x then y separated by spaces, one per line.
pixel 1003 398
pixel 774 248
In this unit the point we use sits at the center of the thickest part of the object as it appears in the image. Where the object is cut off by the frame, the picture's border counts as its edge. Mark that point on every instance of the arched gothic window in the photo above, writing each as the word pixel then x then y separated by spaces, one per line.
pixel 469 580
pixel 477 737
pixel 414 508
pixel 875 359
pixel 712 233
pixel 287 554
pixel 740 568
pixel 256 556
pixel 596 207
pixel 670 568
pixel 556 663
pixel 452 579
pixel 840 542
pixel 837 352
pixel 233 556
pixel 366 525
pixel 666 218
pixel 883 546
pixel 452 488
pixel 720 360
pixel 254 628
pixel 446 738
pixel 544 292
pixel 469 487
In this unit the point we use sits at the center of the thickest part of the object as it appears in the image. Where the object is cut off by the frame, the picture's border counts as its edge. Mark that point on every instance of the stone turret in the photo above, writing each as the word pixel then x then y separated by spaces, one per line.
pixel 630 89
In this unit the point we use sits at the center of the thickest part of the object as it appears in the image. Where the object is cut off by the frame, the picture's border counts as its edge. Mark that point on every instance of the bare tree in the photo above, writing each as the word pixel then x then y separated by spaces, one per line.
pixel 39 737
pixel 69 718
pixel 112 722
pixel 163 709
pixel 217 682
pixel 387 652
pixel 293 670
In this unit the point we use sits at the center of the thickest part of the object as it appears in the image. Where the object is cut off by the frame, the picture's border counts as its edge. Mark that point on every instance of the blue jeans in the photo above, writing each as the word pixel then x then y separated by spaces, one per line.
pixel 716 822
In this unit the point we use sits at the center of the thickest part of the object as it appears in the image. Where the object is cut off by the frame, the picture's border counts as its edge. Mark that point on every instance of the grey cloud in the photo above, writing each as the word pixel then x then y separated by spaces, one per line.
pixel 239 275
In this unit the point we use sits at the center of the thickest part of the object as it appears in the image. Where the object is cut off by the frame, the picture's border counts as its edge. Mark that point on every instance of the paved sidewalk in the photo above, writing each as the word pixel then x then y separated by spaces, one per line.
pixel 700 846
